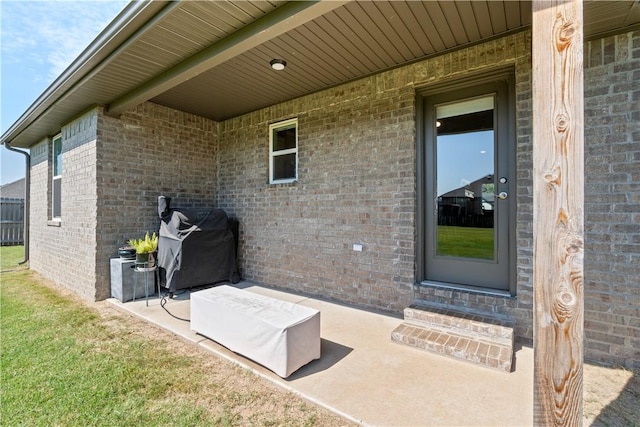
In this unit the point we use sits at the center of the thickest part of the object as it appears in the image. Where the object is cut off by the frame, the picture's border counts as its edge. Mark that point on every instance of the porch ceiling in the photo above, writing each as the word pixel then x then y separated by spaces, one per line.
pixel 212 58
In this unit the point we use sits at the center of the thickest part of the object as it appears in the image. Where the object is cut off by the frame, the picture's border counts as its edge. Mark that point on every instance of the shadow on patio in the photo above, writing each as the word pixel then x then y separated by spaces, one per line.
pixel 612 396
pixel 367 378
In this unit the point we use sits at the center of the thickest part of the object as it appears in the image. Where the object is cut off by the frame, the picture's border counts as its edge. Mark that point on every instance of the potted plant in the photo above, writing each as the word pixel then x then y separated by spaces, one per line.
pixel 127 252
pixel 145 249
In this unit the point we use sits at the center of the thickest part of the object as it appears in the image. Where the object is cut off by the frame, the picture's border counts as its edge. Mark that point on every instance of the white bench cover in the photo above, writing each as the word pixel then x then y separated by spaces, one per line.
pixel 279 335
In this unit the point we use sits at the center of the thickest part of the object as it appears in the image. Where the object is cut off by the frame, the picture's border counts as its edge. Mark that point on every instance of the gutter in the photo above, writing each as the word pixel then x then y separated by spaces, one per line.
pixel 27 191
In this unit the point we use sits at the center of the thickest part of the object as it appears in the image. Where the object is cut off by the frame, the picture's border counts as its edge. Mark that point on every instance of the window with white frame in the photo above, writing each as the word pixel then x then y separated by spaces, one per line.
pixel 283 152
pixel 56 192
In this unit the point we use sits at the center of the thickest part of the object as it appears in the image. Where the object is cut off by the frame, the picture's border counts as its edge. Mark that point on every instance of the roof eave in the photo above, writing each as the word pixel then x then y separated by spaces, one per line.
pixel 125 25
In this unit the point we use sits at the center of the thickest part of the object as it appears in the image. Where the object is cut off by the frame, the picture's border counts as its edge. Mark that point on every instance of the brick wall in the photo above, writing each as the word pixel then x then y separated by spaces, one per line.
pixel 111 179
pixel 612 199
pixel 147 152
pixel 64 251
pixel 356 185
pixel 39 256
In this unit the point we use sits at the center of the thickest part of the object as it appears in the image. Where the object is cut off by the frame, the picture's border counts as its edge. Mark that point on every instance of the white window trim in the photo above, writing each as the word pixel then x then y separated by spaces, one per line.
pixel 272 128
pixel 54 178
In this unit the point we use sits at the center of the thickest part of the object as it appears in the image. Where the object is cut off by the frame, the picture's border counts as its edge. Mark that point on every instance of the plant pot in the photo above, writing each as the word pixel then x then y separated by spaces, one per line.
pixel 127 252
pixel 146 260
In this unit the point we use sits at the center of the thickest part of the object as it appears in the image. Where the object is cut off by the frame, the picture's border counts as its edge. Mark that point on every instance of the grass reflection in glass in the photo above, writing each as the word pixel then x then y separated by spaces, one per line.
pixel 465 242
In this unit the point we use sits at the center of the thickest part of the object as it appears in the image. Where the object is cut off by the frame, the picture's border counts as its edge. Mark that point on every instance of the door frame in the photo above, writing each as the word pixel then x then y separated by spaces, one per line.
pixel 507 75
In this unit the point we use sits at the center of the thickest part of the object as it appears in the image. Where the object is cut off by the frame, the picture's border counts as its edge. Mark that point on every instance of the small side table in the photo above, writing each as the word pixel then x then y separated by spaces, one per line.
pixel 143 267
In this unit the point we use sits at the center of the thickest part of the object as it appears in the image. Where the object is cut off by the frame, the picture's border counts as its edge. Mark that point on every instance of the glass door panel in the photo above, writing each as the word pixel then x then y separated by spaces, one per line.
pixel 465 140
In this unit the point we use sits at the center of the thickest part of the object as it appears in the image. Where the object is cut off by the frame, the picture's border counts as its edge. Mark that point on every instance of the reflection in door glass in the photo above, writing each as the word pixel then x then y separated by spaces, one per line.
pixel 465 179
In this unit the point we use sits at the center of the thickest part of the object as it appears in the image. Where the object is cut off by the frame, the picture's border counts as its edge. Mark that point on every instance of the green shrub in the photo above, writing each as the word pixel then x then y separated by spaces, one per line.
pixel 147 245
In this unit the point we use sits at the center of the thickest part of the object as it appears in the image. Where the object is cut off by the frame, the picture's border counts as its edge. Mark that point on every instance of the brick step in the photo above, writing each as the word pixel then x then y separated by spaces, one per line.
pixel 458 320
pixel 476 349
pixel 477 337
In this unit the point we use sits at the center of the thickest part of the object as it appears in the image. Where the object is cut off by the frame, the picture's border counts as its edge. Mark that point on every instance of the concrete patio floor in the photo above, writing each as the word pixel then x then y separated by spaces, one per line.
pixel 365 377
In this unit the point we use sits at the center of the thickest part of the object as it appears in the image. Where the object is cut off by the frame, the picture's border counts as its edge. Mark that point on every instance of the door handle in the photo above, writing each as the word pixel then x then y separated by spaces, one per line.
pixel 502 195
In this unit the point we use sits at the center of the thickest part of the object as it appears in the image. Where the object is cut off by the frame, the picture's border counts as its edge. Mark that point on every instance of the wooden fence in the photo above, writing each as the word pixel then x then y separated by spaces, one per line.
pixel 11 221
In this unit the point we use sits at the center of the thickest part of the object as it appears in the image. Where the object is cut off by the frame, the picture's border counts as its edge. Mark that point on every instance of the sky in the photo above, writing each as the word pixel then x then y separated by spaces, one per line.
pixel 464 158
pixel 38 41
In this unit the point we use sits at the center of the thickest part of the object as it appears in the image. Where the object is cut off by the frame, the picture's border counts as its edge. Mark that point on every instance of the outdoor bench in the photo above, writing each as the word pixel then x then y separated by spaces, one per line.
pixel 280 335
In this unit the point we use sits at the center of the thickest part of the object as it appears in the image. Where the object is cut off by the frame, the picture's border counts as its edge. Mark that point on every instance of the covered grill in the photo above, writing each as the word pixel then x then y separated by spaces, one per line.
pixel 196 246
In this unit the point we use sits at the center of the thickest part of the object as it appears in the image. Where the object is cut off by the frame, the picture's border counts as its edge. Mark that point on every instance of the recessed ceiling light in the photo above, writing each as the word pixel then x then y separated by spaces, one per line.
pixel 278 64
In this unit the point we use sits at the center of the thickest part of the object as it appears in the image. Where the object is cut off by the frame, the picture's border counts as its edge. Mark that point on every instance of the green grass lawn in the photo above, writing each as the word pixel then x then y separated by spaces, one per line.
pixel 60 366
pixel 467 242
pixel 64 364
pixel 10 256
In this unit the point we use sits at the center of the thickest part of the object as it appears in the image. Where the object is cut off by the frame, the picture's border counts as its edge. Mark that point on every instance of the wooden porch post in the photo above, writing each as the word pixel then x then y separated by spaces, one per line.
pixel 558 213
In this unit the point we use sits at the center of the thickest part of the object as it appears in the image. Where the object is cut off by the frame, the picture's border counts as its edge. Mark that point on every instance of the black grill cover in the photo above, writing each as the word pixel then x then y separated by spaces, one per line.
pixel 196 246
